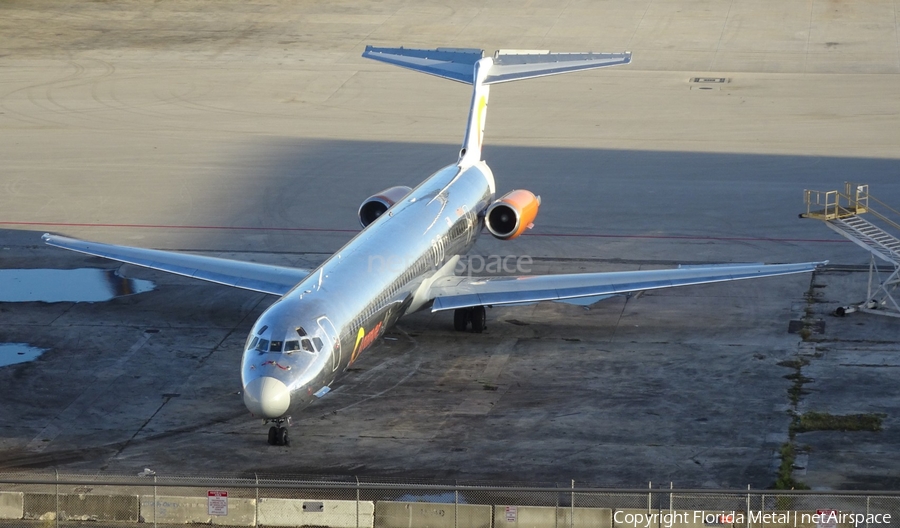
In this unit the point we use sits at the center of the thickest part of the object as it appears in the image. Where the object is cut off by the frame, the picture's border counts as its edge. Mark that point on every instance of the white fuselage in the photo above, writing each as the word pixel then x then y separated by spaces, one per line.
pixel 346 303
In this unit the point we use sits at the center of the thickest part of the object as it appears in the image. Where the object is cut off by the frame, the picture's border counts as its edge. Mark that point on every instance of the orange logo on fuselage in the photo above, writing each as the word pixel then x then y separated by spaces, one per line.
pixel 364 341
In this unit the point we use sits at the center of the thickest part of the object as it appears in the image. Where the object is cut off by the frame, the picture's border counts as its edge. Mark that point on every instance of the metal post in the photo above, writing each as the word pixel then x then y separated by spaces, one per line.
pixel 867 511
pixel 455 506
pixel 572 506
pixel 671 506
pixel 748 506
pixel 872 270
pixel 155 501
pixel 57 498
pixel 357 502
pixel 256 516
pixel 650 496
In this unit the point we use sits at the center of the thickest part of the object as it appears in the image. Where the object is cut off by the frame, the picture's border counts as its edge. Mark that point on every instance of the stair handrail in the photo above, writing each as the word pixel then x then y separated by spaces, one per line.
pixel 858 196
pixel 882 217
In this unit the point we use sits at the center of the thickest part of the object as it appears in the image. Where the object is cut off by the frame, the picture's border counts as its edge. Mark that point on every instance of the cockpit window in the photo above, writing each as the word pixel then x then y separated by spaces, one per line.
pixel 276 346
pixel 263 329
pixel 301 332
pixel 252 344
pixel 263 345
pixel 291 346
pixel 307 346
pixel 318 343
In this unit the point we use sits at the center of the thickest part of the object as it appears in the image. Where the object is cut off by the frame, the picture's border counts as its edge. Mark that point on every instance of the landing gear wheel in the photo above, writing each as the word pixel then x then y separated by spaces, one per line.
pixel 479 319
pixel 281 436
pixel 273 435
pixel 460 319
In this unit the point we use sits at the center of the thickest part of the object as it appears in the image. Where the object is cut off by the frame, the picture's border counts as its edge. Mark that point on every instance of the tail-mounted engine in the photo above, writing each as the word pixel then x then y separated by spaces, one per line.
pixel 376 205
pixel 512 214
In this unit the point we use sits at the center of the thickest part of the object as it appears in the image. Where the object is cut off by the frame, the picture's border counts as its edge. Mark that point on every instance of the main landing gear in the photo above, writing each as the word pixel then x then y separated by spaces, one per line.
pixel 278 434
pixel 475 315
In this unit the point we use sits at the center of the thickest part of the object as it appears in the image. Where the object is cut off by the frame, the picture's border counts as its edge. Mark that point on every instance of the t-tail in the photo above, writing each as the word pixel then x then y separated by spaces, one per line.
pixel 470 66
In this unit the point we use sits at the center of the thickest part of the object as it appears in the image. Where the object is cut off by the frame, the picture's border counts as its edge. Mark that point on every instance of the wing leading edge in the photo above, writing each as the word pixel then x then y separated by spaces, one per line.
pixel 463 292
pixel 263 278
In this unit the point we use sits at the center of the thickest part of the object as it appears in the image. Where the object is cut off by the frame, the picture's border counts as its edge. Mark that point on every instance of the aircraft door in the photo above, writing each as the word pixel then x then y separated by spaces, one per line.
pixel 331 335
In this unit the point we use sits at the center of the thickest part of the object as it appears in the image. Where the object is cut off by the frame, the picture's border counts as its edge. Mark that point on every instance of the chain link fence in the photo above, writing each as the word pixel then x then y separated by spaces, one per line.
pixel 69 500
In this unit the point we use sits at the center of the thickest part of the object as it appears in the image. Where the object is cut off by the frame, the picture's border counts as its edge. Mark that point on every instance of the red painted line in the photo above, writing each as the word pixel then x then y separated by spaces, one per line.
pixel 324 230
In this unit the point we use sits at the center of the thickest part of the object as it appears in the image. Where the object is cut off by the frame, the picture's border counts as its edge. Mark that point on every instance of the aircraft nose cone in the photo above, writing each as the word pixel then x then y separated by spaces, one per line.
pixel 267 397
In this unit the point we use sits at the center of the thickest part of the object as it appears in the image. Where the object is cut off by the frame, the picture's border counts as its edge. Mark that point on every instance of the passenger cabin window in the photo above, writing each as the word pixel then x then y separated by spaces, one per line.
pixel 291 346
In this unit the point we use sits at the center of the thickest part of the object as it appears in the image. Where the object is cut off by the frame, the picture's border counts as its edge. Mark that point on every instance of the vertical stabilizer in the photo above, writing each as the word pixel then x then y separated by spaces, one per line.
pixel 471 148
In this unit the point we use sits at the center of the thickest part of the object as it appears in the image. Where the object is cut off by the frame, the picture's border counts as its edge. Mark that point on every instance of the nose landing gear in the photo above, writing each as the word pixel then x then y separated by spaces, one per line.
pixel 278 434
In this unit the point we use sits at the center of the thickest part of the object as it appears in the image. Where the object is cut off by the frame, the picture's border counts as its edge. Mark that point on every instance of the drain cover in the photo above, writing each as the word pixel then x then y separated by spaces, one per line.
pixel 816 327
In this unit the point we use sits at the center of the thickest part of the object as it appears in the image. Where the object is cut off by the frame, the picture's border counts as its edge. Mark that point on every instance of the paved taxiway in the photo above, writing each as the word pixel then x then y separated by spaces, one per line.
pixel 256 130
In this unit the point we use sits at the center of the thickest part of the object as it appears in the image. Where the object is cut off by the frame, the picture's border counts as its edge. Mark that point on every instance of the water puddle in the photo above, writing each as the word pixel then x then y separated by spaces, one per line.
pixel 74 285
pixel 15 353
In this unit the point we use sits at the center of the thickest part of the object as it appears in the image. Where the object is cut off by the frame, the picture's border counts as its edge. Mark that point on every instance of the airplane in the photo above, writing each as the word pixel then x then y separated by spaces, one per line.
pixel 326 317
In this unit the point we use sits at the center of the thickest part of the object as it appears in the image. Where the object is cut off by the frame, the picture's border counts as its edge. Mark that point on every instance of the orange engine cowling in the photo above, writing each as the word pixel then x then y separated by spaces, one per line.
pixel 376 205
pixel 512 214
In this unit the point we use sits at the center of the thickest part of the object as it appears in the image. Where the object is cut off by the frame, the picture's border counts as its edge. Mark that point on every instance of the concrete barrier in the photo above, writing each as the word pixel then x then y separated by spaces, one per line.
pixel 431 515
pixel 12 505
pixel 185 510
pixel 307 512
pixel 84 507
pixel 551 517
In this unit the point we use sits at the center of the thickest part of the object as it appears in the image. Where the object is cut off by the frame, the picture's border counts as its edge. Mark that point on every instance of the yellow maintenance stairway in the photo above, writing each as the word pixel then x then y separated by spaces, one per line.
pixel 841 212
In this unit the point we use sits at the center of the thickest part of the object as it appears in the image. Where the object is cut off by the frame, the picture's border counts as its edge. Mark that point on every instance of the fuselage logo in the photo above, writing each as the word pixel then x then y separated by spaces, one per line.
pixel 364 340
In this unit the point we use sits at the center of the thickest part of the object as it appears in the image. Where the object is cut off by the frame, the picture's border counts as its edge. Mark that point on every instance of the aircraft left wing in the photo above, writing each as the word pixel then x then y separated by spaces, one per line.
pixel 462 292
pixel 264 278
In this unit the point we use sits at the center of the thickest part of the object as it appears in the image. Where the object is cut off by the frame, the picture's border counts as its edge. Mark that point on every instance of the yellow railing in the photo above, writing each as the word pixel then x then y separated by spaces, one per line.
pixel 829 205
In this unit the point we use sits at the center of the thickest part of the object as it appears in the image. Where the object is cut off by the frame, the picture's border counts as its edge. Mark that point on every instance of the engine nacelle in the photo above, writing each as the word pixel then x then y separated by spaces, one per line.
pixel 512 214
pixel 376 205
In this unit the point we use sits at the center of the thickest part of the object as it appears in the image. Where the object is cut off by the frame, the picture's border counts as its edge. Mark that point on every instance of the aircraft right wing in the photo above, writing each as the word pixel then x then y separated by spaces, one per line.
pixel 463 292
pixel 263 278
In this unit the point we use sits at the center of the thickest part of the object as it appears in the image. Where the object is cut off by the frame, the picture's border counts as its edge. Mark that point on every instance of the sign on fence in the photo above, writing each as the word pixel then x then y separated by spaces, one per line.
pixel 512 514
pixel 217 502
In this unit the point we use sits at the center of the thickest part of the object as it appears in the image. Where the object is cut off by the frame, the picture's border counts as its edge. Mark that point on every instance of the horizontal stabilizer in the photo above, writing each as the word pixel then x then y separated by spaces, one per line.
pixel 507 65
pixel 511 66
pixel 449 63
